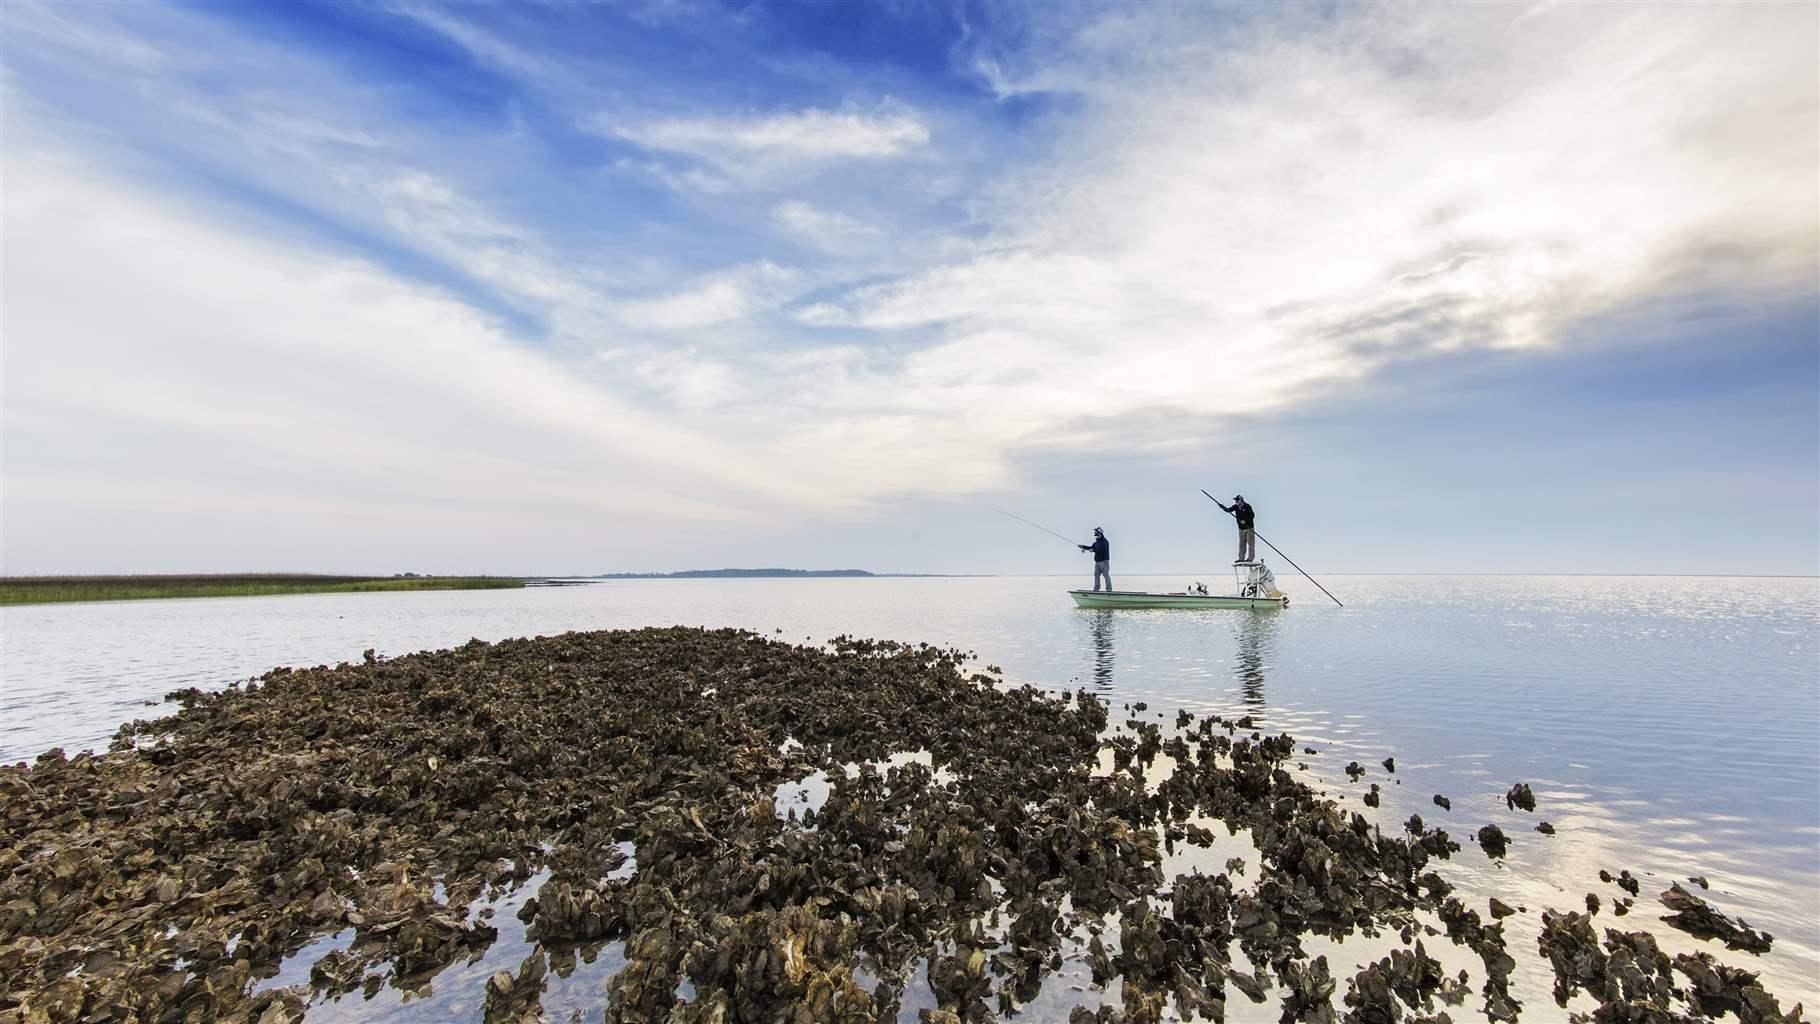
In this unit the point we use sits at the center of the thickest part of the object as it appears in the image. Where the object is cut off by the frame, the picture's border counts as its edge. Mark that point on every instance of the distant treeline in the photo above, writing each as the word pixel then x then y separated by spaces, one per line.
pixel 47 589
pixel 703 574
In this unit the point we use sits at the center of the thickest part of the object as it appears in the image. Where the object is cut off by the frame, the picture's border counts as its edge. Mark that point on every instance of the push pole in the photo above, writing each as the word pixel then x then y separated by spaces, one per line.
pixel 1278 550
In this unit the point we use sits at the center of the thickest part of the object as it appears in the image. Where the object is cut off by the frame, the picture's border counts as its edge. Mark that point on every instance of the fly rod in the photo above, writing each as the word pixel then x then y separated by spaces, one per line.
pixel 1045 529
pixel 1278 550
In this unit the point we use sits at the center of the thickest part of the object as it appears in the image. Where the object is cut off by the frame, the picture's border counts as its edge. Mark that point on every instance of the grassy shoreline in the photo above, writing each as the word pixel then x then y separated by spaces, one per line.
pixel 52 589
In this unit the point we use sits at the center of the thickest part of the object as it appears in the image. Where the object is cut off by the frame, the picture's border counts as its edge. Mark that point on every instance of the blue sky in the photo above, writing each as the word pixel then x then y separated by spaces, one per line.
pixel 536 288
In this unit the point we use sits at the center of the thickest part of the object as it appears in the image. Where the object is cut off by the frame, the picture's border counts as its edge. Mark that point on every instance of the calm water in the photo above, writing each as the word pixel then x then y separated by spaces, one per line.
pixel 1670 726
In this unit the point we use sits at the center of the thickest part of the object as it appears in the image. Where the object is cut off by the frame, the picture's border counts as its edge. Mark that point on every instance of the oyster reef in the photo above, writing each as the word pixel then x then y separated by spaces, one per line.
pixel 749 830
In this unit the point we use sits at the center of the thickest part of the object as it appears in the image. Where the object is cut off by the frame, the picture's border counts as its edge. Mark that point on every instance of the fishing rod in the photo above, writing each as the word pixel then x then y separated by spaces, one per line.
pixel 1045 529
pixel 1278 550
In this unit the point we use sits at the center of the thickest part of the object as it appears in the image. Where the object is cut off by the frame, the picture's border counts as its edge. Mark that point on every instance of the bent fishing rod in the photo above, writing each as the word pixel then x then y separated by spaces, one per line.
pixel 1045 529
pixel 1228 510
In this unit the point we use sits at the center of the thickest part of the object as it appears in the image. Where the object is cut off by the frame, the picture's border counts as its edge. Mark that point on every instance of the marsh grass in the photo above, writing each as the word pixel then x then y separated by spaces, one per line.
pixel 47 589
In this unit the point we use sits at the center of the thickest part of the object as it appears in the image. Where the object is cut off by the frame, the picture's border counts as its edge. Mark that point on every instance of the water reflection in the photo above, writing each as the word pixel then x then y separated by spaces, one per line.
pixel 1257 644
pixel 1099 628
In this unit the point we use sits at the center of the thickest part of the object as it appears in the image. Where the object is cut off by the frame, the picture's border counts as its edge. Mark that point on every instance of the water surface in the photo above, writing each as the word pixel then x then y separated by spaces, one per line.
pixel 1668 725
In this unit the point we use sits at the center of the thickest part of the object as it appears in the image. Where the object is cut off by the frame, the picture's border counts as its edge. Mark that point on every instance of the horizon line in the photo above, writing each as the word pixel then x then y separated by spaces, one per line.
pixel 1174 572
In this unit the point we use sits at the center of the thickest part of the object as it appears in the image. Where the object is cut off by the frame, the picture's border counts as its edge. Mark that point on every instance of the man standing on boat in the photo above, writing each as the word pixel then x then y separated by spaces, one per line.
pixel 1102 559
pixel 1241 510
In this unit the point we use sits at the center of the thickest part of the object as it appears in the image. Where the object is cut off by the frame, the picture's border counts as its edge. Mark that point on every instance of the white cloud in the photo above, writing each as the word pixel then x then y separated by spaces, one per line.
pixel 221 363
pixel 822 314
pixel 302 132
pixel 440 221
pixel 808 136
pixel 686 179
pixel 278 122
pixel 487 48
pixel 825 229
pixel 767 149
pixel 689 379
pixel 729 295
pixel 1230 236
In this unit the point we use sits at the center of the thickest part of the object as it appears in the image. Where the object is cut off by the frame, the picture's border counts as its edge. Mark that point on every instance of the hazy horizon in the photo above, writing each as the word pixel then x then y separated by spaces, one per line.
pixel 517 289
pixel 1289 576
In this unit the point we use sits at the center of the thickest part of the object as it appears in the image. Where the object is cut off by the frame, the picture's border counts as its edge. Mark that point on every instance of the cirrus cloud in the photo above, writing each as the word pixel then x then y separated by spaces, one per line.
pixel 762 149
pixel 825 229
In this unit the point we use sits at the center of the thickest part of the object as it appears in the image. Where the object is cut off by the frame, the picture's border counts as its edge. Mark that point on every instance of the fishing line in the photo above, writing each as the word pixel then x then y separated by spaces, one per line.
pixel 1039 526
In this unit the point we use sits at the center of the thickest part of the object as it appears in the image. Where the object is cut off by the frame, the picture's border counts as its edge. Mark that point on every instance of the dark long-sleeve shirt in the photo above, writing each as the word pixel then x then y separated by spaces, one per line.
pixel 1102 551
pixel 1242 509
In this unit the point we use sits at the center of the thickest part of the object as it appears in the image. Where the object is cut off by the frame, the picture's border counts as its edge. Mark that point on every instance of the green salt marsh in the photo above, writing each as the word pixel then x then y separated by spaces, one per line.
pixel 54 589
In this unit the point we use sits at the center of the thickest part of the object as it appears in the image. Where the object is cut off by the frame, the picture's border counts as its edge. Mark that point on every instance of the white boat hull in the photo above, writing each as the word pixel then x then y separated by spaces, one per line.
pixel 1138 599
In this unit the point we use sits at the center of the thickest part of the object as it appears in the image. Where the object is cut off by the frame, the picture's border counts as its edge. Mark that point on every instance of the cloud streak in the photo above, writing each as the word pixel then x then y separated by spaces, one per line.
pixel 729 295
pixel 825 229
pixel 799 136
pixel 766 150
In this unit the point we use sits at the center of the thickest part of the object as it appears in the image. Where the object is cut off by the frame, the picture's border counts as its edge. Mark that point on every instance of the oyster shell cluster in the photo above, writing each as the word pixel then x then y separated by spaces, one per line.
pixel 162 881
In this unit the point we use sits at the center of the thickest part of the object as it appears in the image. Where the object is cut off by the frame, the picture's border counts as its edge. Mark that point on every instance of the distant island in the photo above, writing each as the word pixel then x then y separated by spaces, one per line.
pixel 742 574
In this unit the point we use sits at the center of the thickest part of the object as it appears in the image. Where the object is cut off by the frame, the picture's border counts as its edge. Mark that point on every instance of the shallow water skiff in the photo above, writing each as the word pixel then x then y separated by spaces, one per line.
pixel 1257 588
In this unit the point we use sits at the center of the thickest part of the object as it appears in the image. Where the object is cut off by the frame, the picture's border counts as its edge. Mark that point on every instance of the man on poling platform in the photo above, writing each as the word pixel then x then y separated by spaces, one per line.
pixel 1102 559
pixel 1241 511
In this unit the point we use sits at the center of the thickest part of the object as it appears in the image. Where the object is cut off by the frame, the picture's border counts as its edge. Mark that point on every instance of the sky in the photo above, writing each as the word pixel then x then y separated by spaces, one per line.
pixel 549 288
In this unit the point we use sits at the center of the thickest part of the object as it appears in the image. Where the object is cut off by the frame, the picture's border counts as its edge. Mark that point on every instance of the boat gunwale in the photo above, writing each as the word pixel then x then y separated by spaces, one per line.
pixel 1191 600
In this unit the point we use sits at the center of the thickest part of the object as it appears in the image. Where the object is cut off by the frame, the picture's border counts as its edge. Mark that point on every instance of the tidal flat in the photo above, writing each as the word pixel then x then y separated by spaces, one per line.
pixel 694 825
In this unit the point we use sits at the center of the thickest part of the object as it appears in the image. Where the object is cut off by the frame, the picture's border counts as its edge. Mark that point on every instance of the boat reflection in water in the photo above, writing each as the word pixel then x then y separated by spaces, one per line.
pixel 1099 630
pixel 1257 637
pixel 1253 633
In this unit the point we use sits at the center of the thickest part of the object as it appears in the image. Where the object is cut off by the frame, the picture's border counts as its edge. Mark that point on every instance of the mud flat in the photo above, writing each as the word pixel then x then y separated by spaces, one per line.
pixel 749 830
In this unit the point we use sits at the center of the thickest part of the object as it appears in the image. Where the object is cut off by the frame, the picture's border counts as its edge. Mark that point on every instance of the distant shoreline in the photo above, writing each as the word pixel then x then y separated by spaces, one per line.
pixel 25 590
pixel 767 574
pixel 59 589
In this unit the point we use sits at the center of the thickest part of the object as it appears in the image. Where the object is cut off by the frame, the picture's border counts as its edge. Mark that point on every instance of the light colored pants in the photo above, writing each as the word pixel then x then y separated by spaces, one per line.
pixel 1102 569
pixel 1248 547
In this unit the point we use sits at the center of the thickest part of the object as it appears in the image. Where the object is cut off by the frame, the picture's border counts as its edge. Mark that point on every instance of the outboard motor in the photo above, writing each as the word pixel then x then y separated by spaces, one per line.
pixel 1259 582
